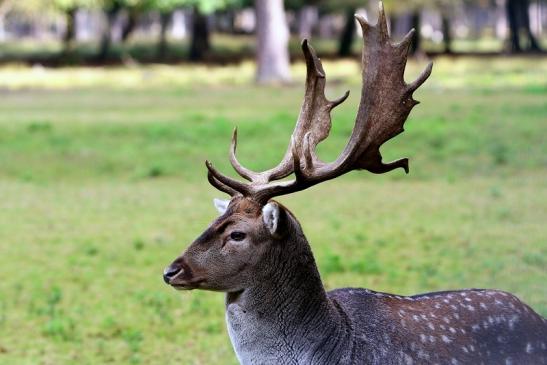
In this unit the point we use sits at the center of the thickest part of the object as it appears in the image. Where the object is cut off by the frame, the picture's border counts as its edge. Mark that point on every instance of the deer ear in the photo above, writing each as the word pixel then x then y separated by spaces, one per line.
pixel 270 216
pixel 221 205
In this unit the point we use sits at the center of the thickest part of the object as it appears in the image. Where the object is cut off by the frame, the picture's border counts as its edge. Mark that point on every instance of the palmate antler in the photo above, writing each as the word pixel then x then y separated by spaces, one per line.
pixel 386 101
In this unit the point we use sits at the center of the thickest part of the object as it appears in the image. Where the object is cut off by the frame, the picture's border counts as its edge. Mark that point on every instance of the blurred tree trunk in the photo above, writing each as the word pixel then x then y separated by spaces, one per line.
pixel 416 22
pixel 5 7
pixel 106 39
pixel 518 18
pixel 447 35
pixel 512 20
pixel 307 17
pixel 533 45
pixel 272 42
pixel 348 34
pixel 70 31
pixel 165 18
pixel 130 25
pixel 199 44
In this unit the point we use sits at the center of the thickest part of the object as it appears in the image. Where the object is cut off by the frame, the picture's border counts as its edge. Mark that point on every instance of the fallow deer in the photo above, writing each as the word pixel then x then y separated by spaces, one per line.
pixel 277 310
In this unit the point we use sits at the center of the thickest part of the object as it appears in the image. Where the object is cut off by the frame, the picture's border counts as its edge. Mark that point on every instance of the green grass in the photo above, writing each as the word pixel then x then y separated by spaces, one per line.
pixel 102 184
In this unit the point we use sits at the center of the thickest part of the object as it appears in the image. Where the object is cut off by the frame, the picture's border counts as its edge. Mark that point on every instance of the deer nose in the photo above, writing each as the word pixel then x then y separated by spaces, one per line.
pixel 170 272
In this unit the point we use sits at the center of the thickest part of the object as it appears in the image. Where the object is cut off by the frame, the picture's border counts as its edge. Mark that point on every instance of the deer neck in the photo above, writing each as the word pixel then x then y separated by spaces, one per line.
pixel 286 313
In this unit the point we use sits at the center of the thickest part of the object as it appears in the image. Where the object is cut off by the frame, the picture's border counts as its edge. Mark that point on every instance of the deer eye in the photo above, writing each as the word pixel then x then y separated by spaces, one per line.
pixel 237 236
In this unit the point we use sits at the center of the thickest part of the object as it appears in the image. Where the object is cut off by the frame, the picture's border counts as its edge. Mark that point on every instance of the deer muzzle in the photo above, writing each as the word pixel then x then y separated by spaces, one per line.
pixel 179 275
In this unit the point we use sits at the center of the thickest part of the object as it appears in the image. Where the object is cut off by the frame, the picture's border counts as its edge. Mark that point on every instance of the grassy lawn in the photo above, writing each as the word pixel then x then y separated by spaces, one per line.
pixel 102 184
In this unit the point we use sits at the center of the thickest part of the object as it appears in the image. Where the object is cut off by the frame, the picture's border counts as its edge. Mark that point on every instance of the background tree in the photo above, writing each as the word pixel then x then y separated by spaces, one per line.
pixel 69 8
pixel 111 9
pixel 348 8
pixel 5 7
pixel 307 13
pixel 272 37
pixel 519 19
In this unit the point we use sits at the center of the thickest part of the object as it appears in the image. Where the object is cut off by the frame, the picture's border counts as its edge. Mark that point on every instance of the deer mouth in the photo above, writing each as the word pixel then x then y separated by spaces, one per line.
pixel 188 285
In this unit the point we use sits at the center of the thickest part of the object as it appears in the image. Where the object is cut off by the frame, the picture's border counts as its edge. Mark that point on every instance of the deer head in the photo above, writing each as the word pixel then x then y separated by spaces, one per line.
pixel 230 254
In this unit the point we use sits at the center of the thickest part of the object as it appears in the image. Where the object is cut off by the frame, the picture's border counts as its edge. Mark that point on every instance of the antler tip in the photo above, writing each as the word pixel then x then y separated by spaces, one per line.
pixel 405 166
pixel 365 25
pixel 340 100
pixel 421 79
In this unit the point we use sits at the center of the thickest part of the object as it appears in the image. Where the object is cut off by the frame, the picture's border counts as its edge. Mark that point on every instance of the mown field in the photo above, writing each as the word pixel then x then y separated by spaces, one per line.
pixel 102 184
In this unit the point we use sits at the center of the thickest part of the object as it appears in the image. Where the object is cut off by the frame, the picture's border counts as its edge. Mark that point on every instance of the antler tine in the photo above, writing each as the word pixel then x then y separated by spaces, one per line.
pixel 220 186
pixel 233 184
pixel 424 75
pixel 382 22
pixel 240 169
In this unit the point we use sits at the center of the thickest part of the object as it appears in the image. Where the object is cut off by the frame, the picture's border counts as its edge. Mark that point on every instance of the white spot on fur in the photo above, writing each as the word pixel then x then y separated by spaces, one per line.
pixel 456 315
pixel 446 320
pixel 446 339
pixel 483 306
pixel 452 330
pixel 408 359
pixel 416 318
pixel 512 321
pixel 431 326
pixel 529 348
pixel 423 338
